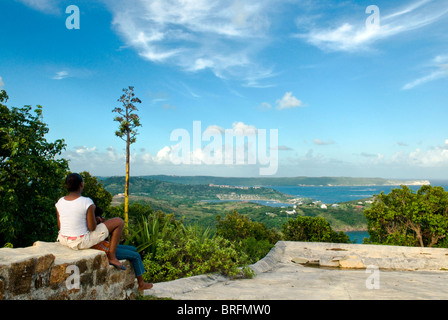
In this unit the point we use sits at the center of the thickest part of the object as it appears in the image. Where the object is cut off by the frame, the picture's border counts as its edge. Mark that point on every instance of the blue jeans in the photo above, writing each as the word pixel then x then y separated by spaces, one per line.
pixel 125 252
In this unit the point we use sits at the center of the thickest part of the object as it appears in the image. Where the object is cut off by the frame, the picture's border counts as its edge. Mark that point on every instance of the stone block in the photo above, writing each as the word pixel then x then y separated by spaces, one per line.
pixel 328 262
pixel 59 274
pixel 352 262
pixel 43 263
pixel 20 276
pixel 300 260
pixel 82 265
pixel 101 276
pixel 2 288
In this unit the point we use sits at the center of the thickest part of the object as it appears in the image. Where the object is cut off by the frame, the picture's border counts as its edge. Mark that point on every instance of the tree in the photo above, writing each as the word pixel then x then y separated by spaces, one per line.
pixel 312 229
pixel 252 238
pixel 236 227
pixel 407 218
pixel 127 131
pixel 30 176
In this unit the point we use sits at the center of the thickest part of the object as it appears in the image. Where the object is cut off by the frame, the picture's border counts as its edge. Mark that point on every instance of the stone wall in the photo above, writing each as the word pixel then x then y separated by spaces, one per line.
pixel 50 271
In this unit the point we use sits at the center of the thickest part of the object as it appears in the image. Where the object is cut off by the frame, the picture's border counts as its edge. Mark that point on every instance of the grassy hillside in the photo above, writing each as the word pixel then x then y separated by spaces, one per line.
pixel 164 190
pixel 187 201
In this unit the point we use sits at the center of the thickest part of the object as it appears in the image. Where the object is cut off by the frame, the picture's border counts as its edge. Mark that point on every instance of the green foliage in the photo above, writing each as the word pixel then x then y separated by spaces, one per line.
pixel 172 250
pixel 252 238
pixel 177 191
pixel 95 191
pixel 254 249
pixel 190 255
pixel 129 121
pixel 30 176
pixel 148 229
pixel 236 227
pixel 312 229
pixel 408 218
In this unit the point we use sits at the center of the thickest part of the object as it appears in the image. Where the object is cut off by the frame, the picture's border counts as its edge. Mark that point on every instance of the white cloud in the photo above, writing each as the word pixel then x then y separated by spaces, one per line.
pixel 197 35
pixel 45 6
pixel 69 72
pixel 439 70
pixel 1 82
pixel 84 150
pixel 243 129
pixel 288 101
pixel 431 157
pixel 356 36
pixel 61 75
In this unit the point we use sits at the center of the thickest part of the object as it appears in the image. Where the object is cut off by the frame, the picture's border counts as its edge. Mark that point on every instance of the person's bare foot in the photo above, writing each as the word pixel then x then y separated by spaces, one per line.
pixel 144 286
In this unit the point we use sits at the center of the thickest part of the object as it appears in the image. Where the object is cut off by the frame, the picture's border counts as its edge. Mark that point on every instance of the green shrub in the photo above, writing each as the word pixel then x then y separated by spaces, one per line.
pixel 236 227
pixel 252 238
pixel 312 229
pixel 408 218
pixel 255 249
pixel 150 228
pixel 192 255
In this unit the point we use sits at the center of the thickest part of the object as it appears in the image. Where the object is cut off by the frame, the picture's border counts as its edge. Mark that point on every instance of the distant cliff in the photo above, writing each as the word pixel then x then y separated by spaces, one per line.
pixel 408 182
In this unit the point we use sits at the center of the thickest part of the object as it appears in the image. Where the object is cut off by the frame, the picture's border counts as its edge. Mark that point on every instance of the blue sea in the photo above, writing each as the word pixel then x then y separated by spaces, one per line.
pixel 336 194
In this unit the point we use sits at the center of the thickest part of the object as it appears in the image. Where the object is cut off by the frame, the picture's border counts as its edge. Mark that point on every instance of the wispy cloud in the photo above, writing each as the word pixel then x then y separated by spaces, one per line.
pixel 353 35
pixel 320 142
pixel 1 82
pixel 61 75
pixel 70 72
pixel 45 6
pixel 438 70
pixel 198 35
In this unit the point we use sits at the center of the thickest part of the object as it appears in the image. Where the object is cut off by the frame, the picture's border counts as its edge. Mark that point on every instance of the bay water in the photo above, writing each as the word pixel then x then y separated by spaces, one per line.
pixel 337 194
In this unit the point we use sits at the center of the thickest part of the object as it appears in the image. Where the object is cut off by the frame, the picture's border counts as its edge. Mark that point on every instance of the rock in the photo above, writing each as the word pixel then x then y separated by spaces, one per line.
pixel 329 262
pixel 300 260
pixel 352 262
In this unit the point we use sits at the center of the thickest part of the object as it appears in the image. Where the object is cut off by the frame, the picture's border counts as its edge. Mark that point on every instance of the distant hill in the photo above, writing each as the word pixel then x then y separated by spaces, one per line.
pixel 281 181
pixel 166 190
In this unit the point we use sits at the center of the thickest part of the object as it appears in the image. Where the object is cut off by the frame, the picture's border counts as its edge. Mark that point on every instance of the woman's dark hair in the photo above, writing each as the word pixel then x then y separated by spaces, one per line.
pixel 73 182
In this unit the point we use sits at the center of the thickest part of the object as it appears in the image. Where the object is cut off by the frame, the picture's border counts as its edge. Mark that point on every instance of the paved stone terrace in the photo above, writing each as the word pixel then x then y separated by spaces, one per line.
pixel 326 271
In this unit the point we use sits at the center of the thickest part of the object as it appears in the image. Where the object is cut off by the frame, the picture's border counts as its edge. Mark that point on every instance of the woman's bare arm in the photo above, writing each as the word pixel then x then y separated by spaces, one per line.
pixel 91 221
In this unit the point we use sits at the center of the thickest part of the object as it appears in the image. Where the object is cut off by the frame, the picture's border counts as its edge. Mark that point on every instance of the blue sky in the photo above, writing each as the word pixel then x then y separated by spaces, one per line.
pixel 347 99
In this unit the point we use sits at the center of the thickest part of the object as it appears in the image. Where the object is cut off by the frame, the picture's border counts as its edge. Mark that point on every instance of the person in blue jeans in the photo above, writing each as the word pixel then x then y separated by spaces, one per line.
pixel 126 252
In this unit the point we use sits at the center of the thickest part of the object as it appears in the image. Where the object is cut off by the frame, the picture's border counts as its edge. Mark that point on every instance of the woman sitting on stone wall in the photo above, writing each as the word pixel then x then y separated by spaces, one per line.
pixel 78 228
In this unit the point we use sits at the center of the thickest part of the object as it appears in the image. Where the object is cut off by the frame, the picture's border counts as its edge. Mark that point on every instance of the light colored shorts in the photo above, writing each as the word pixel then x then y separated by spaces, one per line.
pixel 87 240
